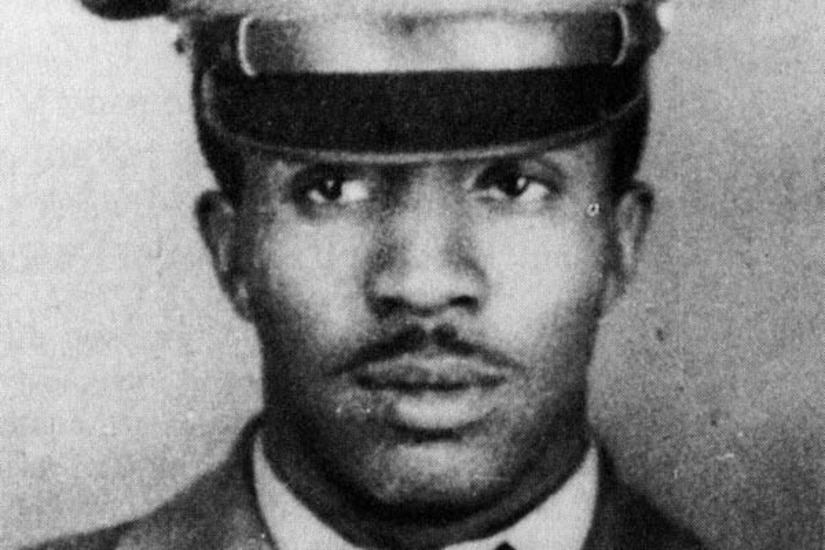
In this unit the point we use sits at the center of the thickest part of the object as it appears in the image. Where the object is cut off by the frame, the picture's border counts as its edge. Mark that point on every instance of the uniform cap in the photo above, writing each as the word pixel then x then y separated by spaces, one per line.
pixel 409 79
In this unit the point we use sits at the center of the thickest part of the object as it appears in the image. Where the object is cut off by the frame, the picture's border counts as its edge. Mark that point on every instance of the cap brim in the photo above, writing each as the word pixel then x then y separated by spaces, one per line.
pixel 352 157
pixel 414 117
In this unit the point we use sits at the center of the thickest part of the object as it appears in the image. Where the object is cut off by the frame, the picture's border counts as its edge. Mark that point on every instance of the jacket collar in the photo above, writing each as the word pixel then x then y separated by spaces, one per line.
pixel 220 512
pixel 217 512
pixel 561 521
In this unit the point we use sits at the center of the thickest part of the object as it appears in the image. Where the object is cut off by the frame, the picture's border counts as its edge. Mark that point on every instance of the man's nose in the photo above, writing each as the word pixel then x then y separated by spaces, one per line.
pixel 426 261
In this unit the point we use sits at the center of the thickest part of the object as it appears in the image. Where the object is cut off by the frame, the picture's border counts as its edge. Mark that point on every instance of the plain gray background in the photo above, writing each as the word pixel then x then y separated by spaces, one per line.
pixel 124 373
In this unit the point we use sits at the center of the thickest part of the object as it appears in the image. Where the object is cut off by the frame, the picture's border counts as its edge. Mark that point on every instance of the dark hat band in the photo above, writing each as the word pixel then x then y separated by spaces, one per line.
pixel 417 115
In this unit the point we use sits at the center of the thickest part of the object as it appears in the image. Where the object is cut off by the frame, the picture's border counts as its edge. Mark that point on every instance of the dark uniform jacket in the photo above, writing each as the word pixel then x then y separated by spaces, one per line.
pixel 219 512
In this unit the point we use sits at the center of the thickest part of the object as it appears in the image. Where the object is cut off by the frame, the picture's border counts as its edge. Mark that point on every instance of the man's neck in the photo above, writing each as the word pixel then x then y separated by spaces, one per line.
pixel 369 524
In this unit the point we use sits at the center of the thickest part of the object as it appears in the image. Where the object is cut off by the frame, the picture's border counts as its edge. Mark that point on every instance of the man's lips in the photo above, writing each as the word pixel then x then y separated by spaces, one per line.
pixel 433 393
pixel 437 373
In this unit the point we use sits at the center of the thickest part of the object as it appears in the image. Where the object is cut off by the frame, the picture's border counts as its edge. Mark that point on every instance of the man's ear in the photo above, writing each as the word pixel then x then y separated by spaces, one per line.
pixel 218 223
pixel 631 217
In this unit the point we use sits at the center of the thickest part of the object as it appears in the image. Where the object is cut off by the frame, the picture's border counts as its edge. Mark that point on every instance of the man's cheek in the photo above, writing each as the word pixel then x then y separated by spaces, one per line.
pixel 546 329
pixel 318 291
pixel 320 259
pixel 529 297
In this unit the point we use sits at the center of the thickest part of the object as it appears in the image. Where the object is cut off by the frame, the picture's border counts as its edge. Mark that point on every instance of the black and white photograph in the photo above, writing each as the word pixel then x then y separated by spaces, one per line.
pixel 412 275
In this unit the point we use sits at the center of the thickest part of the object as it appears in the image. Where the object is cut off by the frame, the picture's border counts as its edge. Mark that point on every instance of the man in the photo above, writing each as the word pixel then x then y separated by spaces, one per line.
pixel 424 211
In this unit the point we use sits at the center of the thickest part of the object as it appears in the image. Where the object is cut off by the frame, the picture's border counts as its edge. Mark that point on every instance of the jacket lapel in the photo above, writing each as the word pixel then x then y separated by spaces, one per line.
pixel 625 520
pixel 217 512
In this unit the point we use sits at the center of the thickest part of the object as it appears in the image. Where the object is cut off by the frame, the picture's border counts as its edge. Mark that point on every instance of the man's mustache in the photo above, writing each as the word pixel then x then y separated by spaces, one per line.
pixel 443 339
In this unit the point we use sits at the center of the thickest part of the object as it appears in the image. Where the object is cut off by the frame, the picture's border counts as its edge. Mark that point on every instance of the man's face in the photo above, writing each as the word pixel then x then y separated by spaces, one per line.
pixel 425 329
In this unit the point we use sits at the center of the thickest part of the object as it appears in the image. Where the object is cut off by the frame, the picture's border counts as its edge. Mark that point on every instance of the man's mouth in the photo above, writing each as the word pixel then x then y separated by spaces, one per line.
pixel 432 392
pixel 416 374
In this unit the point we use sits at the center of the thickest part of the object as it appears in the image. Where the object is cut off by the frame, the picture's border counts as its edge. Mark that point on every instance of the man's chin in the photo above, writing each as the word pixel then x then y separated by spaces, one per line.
pixel 439 477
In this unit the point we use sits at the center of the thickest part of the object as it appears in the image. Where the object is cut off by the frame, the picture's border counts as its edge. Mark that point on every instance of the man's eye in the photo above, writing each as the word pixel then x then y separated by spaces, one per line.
pixel 336 189
pixel 513 185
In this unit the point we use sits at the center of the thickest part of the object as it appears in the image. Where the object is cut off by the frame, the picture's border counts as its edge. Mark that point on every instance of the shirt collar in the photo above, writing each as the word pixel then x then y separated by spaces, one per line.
pixel 561 522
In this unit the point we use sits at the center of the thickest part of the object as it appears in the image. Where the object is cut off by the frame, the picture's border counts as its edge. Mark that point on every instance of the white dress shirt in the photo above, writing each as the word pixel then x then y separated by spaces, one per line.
pixel 561 522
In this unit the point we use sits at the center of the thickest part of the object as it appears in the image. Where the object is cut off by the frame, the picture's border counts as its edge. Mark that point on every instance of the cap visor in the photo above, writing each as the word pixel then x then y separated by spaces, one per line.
pixel 417 116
